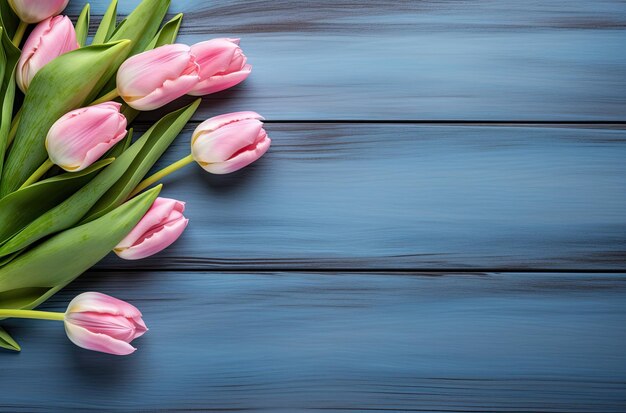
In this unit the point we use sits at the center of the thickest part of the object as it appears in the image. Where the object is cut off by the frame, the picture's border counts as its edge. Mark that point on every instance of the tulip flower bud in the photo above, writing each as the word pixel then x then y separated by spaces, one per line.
pixel 49 39
pixel 227 143
pixel 34 11
pixel 102 323
pixel 154 78
pixel 82 136
pixel 158 229
pixel 222 65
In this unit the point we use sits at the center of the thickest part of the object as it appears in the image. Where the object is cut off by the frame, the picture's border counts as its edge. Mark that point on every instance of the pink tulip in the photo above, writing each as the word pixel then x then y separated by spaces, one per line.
pixel 154 78
pixel 49 39
pixel 82 136
pixel 102 323
pixel 227 143
pixel 34 11
pixel 158 229
pixel 222 65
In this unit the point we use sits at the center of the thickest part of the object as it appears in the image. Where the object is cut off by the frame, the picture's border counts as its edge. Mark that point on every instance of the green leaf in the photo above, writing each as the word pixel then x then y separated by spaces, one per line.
pixel 82 25
pixel 167 34
pixel 8 19
pixel 107 24
pixel 6 341
pixel 158 138
pixel 9 55
pixel 39 273
pixel 21 207
pixel 68 82
pixel 140 26
pixel 69 212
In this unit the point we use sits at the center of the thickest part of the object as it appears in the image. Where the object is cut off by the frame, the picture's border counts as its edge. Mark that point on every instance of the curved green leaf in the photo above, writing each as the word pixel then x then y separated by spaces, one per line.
pixel 82 25
pixel 107 24
pixel 8 19
pixel 9 55
pixel 69 212
pixel 167 34
pixel 142 24
pixel 68 82
pixel 24 206
pixel 158 138
pixel 6 341
pixel 39 273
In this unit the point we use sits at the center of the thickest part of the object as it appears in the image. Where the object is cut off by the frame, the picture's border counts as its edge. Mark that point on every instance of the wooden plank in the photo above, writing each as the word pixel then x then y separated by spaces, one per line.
pixel 407 196
pixel 338 342
pixel 388 59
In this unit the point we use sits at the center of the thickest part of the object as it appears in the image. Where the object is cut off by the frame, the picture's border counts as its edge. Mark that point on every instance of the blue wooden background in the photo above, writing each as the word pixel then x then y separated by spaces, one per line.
pixel 440 224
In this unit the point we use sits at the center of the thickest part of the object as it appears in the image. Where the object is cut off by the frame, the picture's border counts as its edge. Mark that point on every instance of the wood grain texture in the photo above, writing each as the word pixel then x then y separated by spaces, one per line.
pixel 427 59
pixel 406 196
pixel 226 336
pixel 338 342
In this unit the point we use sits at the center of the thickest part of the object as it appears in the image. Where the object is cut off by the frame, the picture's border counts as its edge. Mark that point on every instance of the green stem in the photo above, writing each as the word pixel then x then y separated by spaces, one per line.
pixel 37 315
pixel 14 124
pixel 38 173
pixel 161 174
pixel 19 33
pixel 107 97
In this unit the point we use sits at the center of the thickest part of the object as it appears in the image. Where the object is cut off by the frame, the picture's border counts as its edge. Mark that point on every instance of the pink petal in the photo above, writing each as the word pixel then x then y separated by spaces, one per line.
pixel 160 210
pixel 157 242
pixel 116 326
pixel 218 83
pixel 240 160
pixel 151 79
pixel 219 145
pixel 216 122
pixel 50 39
pixel 97 342
pixel 215 55
pixel 101 148
pixel 102 303
pixel 82 136
pixel 169 91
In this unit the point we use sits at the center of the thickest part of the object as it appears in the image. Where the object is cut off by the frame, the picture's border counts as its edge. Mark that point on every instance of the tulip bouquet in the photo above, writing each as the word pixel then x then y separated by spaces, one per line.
pixel 74 183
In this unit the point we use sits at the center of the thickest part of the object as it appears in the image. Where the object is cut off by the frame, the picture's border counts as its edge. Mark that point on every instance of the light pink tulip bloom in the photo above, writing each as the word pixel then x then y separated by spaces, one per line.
pixel 222 65
pixel 227 143
pixel 82 136
pixel 102 323
pixel 34 11
pixel 158 229
pixel 49 39
pixel 154 78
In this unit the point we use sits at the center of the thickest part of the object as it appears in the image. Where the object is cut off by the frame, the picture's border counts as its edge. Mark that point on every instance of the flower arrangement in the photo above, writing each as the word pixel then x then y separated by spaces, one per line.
pixel 74 183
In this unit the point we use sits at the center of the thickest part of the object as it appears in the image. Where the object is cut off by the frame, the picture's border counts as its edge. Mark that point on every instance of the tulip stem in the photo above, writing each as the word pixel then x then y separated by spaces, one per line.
pixel 38 173
pixel 19 33
pixel 14 124
pixel 37 315
pixel 161 174
pixel 105 98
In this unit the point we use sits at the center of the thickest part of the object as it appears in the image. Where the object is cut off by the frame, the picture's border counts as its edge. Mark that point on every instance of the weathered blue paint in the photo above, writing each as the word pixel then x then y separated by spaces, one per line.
pixel 341 342
pixel 338 199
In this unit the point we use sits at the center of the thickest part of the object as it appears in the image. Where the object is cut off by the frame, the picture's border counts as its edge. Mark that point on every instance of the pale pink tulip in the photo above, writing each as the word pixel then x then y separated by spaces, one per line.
pixel 82 136
pixel 222 65
pixel 227 143
pixel 154 78
pixel 158 229
pixel 49 39
pixel 103 323
pixel 34 11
